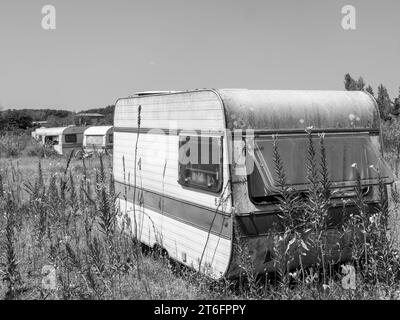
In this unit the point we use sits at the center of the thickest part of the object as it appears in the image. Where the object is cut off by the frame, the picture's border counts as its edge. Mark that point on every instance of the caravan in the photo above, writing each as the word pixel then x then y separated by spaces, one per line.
pixel 63 139
pixel 98 139
pixel 195 172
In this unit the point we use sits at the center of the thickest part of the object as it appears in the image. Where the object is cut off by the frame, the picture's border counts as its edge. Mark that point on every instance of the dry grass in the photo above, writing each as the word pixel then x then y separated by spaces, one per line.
pixel 51 231
pixel 60 213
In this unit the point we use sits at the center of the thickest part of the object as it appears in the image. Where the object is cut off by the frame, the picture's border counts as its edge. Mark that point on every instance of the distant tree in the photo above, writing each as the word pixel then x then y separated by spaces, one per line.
pixel 396 105
pixel 23 118
pixel 15 119
pixel 370 90
pixel 349 83
pixel 353 85
pixel 57 121
pixel 360 84
pixel 384 102
pixel 108 113
pixel 2 122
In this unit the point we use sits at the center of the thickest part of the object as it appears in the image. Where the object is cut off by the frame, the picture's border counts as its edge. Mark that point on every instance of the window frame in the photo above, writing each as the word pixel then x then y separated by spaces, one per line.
pixel 52 140
pixel 197 186
pixel 94 144
pixel 273 198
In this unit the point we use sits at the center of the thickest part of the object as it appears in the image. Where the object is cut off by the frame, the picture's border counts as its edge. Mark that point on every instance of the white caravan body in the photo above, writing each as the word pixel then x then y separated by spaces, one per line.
pixel 63 139
pixel 98 139
pixel 195 213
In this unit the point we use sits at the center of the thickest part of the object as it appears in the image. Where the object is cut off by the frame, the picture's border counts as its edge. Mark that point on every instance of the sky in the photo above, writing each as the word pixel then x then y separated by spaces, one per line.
pixel 103 50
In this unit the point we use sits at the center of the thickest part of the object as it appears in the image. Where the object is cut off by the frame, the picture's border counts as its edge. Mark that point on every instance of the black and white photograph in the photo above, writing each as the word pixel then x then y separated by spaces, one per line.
pixel 205 157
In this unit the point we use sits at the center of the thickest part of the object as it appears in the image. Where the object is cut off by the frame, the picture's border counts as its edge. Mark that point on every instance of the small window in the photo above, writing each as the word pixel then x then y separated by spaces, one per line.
pixel 110 138
pixel 51 140
pixel 70 138
pixel 200 162
pixel 94 140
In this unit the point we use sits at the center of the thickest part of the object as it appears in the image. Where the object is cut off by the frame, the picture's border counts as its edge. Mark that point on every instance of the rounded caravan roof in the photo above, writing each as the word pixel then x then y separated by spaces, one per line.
pixel 297 109
pixel 98 130
pixel 285 110
pixel 50 131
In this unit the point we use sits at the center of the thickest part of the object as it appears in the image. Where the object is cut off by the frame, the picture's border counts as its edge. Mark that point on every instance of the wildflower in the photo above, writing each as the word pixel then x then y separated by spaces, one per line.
pixel 309 129
pixel 303 244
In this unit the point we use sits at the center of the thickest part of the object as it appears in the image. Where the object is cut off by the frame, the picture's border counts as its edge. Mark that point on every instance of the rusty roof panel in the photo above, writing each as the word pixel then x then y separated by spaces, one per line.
pixel 289 109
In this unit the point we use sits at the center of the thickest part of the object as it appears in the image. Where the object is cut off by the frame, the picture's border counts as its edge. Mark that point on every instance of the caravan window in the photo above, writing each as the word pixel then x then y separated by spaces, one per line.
pixel 94 140
pixel 200 162
pixel 51 140
pixel 70 138
pixel 342 152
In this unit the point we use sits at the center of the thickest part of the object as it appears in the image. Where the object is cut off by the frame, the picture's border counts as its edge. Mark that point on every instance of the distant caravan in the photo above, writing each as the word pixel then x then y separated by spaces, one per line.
pixel 195 170
pixel 98 139
pixel 62 139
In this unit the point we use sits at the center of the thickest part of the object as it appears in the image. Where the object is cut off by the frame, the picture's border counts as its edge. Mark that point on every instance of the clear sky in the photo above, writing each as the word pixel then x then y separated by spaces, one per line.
pixel 103 50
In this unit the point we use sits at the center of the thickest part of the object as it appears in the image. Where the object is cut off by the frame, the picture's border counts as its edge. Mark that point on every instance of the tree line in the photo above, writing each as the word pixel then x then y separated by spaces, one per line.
pixel 387 107
pixel 25 118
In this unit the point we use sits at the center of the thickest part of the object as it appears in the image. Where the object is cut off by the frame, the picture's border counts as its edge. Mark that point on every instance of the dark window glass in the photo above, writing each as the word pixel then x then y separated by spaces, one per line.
pixel 51 140
pixel 342 153
pixel 200 162
pixel 110 138
pixel 70 138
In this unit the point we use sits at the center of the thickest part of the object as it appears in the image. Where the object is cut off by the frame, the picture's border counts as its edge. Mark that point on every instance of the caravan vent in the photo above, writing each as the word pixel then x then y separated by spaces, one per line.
pixel 149 93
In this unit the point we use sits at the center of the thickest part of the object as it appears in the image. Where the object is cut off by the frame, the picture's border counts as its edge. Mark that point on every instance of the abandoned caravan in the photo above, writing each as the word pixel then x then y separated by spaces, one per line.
pixel 63 139
pixel 182 169
pixel 98 139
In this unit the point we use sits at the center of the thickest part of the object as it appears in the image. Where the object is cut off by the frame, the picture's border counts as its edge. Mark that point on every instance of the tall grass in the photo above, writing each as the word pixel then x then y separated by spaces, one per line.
pixel 66 219
pixel 391 142
pixel 374 253
pixel 19 143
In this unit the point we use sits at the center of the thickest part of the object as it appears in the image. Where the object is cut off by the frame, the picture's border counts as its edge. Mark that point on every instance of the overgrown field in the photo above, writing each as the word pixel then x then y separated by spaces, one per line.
pixel 58 219
pixel 18 143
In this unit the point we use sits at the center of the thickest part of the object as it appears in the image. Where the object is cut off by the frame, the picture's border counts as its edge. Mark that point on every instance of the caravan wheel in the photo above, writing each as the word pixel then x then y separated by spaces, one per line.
pixel 160 252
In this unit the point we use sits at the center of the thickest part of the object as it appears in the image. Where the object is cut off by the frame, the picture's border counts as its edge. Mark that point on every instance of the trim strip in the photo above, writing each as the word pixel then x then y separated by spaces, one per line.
pixel 71 145
pixel 171 132
pixel 315 130
pixel 196 215
pixel 255 132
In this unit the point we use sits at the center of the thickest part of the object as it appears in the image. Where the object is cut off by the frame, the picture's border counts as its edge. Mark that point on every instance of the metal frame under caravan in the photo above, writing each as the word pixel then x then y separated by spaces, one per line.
pixel 63 139
pixel 196 212
pixel 98 139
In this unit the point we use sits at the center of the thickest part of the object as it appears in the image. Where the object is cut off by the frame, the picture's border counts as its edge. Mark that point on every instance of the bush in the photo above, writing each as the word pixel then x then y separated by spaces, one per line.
pixel 38 150
pixel 391 141
pixel 19 143
pixel 13 143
